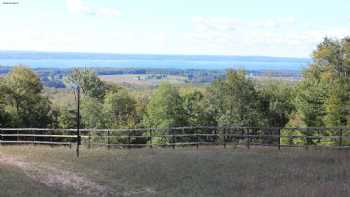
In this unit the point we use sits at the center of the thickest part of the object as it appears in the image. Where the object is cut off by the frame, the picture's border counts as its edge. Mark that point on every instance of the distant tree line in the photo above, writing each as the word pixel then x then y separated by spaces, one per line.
pixel 321 99
pixel 54 77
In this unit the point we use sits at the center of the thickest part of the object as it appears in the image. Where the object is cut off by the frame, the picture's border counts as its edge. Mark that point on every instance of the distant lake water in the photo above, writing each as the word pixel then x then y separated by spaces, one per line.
pixel 68 60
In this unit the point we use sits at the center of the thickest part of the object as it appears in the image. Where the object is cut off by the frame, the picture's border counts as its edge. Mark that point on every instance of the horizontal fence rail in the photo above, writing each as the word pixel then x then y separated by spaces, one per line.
pixel 181 136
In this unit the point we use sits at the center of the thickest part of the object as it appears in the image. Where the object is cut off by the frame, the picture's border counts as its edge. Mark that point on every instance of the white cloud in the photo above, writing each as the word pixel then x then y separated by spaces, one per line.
pixel 80 7
pixel 107 12
pixel 278 37
pixel 226 23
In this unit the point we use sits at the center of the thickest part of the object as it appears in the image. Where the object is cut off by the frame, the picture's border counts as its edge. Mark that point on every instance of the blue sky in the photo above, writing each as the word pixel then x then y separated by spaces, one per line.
pixel 290 28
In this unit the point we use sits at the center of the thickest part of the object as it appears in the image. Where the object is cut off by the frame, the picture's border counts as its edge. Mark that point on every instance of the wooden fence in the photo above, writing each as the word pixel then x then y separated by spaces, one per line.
pixel 181 136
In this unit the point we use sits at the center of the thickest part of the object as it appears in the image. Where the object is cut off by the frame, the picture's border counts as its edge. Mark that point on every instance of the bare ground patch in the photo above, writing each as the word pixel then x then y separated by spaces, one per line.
pixel 58 178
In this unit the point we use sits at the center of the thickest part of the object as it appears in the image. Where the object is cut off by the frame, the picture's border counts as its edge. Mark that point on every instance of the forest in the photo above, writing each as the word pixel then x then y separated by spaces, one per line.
pixel 320 99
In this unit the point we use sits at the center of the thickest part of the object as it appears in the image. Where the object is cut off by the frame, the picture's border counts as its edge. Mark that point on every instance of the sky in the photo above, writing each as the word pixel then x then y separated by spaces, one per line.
pixel 284 28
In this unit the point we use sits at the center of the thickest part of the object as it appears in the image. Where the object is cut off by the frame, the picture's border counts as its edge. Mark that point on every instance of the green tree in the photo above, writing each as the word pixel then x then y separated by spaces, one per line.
pixel 67 118
pixel 165 108
pixel 312 93
pixel 324 94
pixel 92 113
pixel 194 105
pixel 277 104
pixel 337 105
pixel 90 84
pixel 235 101
pixel 24 99
pixel 4 116
pixel 119 109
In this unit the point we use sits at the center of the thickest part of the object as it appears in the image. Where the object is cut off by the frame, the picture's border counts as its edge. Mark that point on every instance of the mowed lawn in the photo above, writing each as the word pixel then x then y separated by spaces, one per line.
pixel 209 171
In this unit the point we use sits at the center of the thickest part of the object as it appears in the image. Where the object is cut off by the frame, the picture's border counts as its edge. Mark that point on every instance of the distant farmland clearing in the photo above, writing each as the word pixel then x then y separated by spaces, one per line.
pixel 143 79
pixel 209 171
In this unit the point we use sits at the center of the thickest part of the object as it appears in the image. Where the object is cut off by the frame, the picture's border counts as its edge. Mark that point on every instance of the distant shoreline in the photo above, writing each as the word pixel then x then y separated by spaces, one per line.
pixel 143 61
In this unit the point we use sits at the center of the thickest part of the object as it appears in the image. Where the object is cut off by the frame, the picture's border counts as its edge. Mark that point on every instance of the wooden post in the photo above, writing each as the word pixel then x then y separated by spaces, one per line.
pixel 129 138
pixel 174 137
pixel 224 138
pixel 150 138
pixel 216 137
pixel 108 136
pixel 51 139
pixel 340 138
pixel 197 139
pixel 306 139
pixel 89 143
pixel 279 138
pixel 182 138
pixel 34 139
pixel 242 136
pixel 248 138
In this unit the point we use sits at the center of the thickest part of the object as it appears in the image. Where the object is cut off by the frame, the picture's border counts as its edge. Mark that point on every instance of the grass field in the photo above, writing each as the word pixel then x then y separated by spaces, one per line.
pixel 48 171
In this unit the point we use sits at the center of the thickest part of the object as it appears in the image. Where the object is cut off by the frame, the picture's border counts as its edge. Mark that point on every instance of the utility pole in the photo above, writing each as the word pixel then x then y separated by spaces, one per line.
pixel 77 96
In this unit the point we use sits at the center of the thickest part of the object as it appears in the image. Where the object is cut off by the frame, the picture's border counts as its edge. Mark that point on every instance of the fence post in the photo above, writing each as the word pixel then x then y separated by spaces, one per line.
pixel 150 138
pixel 108 135
pixel 174 137
pixel 34 140
pixel 307 139
pixel 197 139
pixel 224 138
pixel 182 137
pixel 216 137
pixel 129 138
pixel 1 138
pixel 340 138
pixel 89 143
pixel 279 138
pixel 71 140
pixel 242 136
pixel 248 138
pixel 51 139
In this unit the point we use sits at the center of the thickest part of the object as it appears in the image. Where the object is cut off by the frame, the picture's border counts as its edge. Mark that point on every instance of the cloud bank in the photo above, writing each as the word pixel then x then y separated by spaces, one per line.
pixel 279 36
pixel 80 7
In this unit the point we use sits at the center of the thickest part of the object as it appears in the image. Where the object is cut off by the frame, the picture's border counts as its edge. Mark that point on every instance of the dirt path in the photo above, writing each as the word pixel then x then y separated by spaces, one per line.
pixel 58 178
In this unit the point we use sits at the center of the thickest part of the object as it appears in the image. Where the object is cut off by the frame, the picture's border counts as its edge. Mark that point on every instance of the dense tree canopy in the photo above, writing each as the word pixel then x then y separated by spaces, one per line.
pixel 90 84
pixel 92 113
pixel 195 109
pixel 320 99
pixel 324 94
pixel 235 101
pixel 164 109
pixel 119 109
pixel 277 103
pixel 25 103
pixel 4 116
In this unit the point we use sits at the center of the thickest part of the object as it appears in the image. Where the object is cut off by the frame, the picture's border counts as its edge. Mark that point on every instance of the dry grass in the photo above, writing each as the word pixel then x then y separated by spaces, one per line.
pixel 182 172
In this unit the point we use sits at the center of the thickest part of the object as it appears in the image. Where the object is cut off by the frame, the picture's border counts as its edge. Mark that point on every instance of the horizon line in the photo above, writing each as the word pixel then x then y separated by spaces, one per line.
pixel 159 54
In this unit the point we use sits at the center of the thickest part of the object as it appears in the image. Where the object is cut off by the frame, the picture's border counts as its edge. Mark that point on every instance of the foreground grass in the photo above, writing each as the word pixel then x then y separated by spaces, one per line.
pixel 187 172
pixel 14 182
